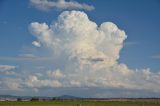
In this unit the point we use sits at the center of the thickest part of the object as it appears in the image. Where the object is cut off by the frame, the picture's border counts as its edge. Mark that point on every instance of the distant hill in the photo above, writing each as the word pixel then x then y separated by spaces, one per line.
pixel 14 97
pixel 40 97
pixel 8 96
pixel 68 97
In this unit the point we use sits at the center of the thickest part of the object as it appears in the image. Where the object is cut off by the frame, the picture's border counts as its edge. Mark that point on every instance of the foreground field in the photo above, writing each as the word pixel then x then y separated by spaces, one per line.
pixel 83 103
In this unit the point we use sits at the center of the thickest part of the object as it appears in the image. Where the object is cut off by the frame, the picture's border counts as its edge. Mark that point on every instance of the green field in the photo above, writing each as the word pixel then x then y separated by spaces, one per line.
pixel 83 103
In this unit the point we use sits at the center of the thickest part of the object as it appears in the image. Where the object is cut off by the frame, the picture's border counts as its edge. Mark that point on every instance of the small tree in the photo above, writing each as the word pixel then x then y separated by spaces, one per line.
pixel 34 99
pixel 54 98
pixel 19 99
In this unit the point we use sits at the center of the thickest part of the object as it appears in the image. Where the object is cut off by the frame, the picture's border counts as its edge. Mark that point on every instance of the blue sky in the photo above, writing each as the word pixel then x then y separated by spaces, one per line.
pixel 139 19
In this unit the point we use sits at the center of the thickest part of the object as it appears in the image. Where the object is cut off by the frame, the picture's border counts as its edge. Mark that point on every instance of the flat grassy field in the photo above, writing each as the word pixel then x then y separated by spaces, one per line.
pixel 83 103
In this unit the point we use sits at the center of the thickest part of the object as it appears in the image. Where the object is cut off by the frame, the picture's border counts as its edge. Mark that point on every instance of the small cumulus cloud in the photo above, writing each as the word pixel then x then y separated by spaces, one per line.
pixel 36 44
pixel 59 4
pixel 55 74
pixel 35 82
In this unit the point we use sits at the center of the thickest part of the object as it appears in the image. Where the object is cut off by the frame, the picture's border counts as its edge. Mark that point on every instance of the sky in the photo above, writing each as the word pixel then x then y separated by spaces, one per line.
pixel 82 48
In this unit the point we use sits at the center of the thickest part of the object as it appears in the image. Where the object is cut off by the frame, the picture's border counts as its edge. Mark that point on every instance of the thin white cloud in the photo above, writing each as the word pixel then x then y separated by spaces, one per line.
pixel 7 70
pixel 7 67
pixel 26 57
pixel 131 43
pixel 36 44
pixel 156 57
pixel 60 4
pixel 91 54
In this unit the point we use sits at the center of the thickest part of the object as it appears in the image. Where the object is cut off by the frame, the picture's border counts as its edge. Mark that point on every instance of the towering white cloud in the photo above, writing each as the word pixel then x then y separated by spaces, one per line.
pixel 91 53
pixel 59 4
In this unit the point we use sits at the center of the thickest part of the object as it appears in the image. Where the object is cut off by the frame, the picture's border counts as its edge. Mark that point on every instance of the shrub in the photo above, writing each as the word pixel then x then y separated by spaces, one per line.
pixel 34 99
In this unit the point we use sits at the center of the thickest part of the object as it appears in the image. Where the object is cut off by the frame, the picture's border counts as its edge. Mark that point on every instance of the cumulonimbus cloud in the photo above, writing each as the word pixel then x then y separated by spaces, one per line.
pixel 91 54
pixel 60 4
